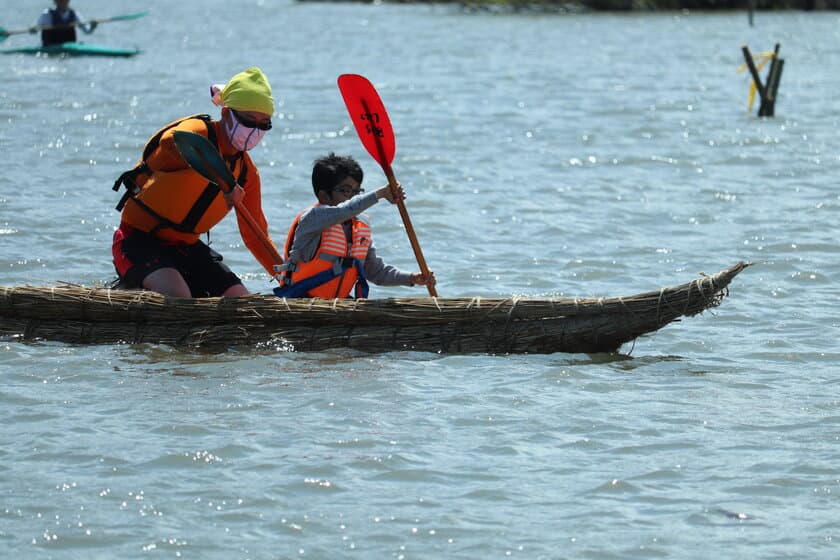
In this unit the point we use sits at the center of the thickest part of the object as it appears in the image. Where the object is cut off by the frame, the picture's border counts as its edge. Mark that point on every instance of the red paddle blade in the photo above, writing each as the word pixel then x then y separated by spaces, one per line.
pixel 369 117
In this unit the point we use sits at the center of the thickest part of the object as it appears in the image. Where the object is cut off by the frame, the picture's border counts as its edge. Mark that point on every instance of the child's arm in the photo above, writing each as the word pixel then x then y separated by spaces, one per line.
pixel 322 216
pixel 383 274
pixel 318 218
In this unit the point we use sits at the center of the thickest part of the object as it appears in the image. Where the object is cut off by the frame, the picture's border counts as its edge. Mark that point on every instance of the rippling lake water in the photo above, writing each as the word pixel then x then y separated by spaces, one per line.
pixel 585 155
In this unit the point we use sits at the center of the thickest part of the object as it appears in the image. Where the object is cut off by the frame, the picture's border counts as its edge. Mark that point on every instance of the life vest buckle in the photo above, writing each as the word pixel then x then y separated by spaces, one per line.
pixel 128 179
pixel 283 273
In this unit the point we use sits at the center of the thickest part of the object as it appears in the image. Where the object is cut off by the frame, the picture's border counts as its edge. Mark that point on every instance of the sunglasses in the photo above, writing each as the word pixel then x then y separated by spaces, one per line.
pixel 347 191
pixel 249 123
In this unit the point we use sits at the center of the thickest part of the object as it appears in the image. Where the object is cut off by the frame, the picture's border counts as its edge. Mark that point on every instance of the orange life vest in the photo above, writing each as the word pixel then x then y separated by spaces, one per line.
pixel 334 254
pixel 175 205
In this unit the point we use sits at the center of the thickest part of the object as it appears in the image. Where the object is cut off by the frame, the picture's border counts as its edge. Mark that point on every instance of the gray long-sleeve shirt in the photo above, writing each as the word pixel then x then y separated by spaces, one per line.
pixel 319 218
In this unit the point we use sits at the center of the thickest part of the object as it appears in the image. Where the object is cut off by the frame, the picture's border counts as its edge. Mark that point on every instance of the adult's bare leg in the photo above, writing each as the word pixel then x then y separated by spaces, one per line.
pixel 167 281
pixel 237 290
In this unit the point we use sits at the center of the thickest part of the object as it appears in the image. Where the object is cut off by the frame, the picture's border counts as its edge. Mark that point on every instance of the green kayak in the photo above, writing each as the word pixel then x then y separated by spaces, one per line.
pixel 74 49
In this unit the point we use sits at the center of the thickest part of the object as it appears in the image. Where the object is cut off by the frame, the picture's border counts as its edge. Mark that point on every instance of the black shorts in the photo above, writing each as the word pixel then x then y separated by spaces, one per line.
pixel 137 254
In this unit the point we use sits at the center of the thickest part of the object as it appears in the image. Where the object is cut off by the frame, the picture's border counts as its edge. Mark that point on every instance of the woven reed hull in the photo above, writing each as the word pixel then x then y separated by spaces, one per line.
pixel 460 325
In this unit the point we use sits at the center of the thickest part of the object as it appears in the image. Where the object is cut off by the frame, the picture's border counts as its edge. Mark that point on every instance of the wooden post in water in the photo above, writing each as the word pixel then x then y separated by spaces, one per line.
pixel 773 79
pixel 766 92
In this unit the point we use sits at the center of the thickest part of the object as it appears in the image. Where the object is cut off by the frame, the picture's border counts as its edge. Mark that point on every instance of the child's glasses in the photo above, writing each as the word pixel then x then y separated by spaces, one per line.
pixel 347 191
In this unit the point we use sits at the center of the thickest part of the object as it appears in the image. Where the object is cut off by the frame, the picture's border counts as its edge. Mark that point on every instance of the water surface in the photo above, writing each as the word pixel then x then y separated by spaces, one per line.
pixel 589 155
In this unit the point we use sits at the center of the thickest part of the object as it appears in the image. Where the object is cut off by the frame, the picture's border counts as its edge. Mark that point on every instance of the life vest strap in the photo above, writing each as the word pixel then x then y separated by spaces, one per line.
pixel 342 264
pixel 362 287
pixel 129 178
pixel 163 222
pixel 208 195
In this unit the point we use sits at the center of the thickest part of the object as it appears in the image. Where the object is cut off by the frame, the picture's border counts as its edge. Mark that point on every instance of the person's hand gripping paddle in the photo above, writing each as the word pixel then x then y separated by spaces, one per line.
pixel 374 129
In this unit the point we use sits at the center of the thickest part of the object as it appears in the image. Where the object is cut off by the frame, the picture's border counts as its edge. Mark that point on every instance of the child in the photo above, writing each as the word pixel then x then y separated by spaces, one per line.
pixel 329 250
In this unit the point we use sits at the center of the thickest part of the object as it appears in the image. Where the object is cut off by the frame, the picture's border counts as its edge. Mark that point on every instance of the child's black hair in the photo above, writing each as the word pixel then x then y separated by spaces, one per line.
pixel 330 170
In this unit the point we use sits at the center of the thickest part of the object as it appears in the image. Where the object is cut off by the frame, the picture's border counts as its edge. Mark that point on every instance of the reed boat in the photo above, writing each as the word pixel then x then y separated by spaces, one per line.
pixel 79 315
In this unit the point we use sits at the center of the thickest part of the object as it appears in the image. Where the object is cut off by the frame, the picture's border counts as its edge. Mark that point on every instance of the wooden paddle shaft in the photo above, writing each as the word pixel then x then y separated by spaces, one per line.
pixel 241 210
pixel 205 160
pixel 409 229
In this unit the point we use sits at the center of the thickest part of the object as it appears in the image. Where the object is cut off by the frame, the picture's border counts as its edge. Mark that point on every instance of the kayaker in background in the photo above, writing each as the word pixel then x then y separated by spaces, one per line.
pixel 168 205
pixel 328 250
pixel 59 25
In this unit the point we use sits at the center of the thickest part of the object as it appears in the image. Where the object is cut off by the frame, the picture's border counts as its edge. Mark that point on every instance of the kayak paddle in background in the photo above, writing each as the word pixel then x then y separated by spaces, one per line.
pixel 4 34
pixel 203 157
pixel 374 129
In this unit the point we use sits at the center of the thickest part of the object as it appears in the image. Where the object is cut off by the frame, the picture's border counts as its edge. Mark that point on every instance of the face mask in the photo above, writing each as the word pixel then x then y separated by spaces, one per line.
pixel 241 137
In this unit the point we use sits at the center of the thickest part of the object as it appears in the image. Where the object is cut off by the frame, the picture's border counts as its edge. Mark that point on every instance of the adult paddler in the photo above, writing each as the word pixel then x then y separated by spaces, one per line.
pixel 59 25
pixel 168 206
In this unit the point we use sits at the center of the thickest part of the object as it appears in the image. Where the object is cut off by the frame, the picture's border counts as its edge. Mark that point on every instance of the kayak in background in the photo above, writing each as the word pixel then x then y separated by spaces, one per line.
pixel 74 49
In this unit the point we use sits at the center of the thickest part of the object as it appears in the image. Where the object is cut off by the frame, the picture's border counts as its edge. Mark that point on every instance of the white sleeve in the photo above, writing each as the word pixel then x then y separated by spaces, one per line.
pixel 82 23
